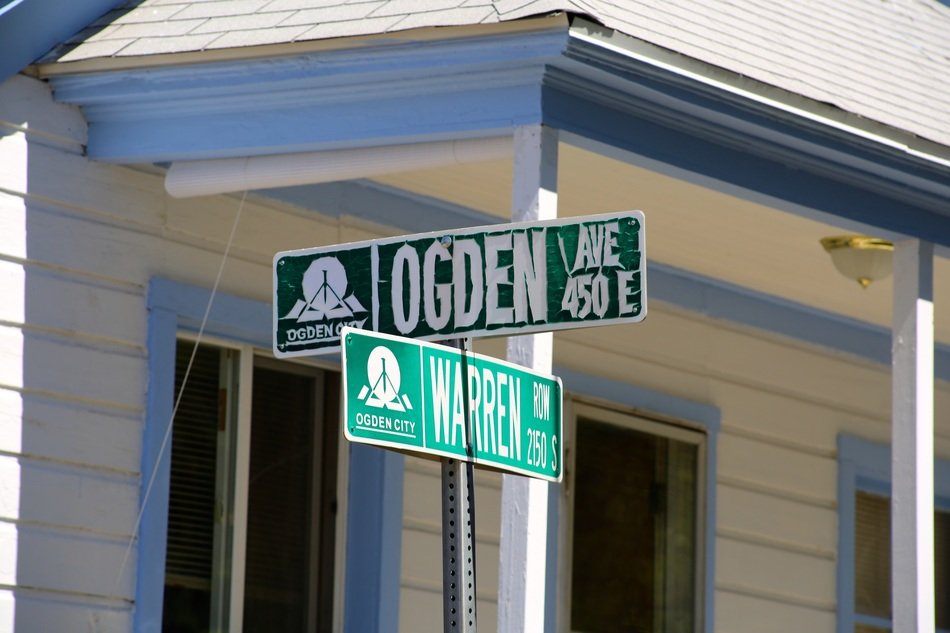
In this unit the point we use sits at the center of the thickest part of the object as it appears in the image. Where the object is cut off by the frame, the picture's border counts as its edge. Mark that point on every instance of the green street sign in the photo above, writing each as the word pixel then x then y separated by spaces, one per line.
pixel 437 400
pixel 484 281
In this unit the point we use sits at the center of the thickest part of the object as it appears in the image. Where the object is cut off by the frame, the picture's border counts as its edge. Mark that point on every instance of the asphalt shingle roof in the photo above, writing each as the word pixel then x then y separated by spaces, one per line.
pixel 886 60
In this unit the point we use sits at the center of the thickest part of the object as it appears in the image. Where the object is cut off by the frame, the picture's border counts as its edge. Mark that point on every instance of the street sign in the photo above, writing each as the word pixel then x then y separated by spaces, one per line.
pixel 437 400
pixel 484 281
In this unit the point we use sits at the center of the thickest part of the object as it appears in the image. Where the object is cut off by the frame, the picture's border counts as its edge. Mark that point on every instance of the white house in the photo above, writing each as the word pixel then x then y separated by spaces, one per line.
pixel 727 460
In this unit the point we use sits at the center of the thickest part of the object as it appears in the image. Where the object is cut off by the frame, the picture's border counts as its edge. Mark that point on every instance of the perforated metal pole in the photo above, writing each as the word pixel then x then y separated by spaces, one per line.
pixel 458 546
pixel 458 538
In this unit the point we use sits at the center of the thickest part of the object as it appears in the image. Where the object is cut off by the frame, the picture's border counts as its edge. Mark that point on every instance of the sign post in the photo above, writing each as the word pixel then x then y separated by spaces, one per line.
pixel 441 400
pixel 467 408
pixel 485 281
pixel 458 546
pixel 459 605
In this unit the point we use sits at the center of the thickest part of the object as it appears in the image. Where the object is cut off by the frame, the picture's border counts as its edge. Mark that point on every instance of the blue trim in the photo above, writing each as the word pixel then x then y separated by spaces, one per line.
pixel 375 492
pixel 865 465
pixel 790 180
pixel 29 28
pixel 704 110
pixel 601 94
pixel 871 462
pixel 484 85
pixel 626 394
pixel 869 620
pixel 153 531
pixel 707 416
pixel 722 300
pixel 374 499
pixel 488 111
pixel 373 540
pixel 711 297
pixel 370 95
pixel 243 320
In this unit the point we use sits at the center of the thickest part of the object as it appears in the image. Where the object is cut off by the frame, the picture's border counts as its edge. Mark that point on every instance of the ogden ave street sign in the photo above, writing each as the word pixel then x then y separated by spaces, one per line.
pixel 438 400
pixel 509 279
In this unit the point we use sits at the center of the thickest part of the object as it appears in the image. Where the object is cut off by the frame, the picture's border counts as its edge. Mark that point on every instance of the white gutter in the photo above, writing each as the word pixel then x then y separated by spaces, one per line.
pixel 206 177
pixel 760 92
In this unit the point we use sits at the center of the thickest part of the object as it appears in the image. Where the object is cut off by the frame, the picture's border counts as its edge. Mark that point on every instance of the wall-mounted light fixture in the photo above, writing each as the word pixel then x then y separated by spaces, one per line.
pixel 859 257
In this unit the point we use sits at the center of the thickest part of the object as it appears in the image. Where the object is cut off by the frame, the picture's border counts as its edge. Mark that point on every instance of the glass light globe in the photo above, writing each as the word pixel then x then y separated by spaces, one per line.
pixel 859 257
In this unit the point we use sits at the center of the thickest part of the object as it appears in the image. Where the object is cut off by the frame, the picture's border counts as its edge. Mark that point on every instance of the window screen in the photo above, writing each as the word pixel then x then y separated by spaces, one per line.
pixel 188 557
pixel 872 560
pixel 291 483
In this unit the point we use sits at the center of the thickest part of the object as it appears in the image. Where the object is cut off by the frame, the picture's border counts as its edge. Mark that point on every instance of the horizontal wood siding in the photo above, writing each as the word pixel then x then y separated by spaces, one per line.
pixel 79 243
pixel 783 405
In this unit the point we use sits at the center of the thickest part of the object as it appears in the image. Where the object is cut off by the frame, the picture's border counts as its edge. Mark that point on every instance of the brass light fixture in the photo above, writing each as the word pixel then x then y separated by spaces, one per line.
pixel 859 257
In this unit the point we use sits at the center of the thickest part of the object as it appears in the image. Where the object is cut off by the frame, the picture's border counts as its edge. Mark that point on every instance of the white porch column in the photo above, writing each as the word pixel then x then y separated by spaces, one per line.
pixel 528 557
pixel 912 461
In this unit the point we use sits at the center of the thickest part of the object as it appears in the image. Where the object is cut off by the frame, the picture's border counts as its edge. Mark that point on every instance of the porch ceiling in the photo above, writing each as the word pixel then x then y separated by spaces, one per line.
pixel 692 228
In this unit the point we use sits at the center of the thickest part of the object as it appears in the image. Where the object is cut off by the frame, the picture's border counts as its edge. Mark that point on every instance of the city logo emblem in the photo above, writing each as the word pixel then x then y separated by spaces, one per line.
pixel 324 290
pixel 382 372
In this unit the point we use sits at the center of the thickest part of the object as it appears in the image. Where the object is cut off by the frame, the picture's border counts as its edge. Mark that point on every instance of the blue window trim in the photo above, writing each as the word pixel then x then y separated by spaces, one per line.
pixel 700 294
pixel 483 86
pixel 706 416
pixel 374 497
pixel 866 466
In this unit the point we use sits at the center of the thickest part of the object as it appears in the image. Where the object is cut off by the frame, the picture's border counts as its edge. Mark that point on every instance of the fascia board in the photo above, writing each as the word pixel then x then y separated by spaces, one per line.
pixel 772 97
pixel 116 63
pixel 384 94
pixel 595 77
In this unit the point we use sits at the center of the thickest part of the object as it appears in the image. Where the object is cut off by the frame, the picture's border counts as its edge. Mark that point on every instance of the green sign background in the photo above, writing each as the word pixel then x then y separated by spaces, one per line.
pixel 437 400
pixel 511 279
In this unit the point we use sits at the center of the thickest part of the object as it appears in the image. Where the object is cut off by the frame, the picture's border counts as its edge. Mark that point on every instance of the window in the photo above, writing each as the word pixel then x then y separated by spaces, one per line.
pixel 864 558
pixel 638 517
pixel 252 495
pixel 872 564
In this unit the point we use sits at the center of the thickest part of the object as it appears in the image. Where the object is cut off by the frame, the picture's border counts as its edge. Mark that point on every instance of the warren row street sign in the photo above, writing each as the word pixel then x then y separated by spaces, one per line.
pixel 437 400
pixel 484 281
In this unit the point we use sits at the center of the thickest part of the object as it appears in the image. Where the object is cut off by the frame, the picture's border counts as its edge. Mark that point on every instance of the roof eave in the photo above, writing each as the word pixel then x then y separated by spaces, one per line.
pixel 793 104
pixel 66 66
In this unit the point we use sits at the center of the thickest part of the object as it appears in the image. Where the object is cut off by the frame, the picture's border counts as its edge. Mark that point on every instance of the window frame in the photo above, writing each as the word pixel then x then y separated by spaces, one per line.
pixel 241 363
pixel 175 312
pixel 865 466
pixel 317 372
pixel 654 408
pixel 667 429
pixel 369 480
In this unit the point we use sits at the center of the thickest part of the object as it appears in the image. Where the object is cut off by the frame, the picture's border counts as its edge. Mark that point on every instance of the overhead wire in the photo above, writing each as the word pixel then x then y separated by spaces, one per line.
pixel 181 390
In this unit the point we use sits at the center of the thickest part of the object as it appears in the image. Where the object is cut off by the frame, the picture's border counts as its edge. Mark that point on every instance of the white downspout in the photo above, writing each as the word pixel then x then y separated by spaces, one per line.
pixel 222 175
